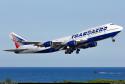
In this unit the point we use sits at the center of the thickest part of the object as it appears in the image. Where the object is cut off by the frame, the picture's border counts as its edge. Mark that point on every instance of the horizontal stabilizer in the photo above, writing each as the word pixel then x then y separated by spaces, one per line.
pixel 15 50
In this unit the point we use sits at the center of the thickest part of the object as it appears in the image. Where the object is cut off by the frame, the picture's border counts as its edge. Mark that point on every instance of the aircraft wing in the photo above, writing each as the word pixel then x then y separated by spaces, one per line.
pixel 34 43
pixel 31 42
pixel 56 45
pixel 15 50
pixel 62 45
pixel 41 44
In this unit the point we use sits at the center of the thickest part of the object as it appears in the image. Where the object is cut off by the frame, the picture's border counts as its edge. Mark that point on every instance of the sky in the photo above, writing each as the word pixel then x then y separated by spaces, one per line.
pixel 44 20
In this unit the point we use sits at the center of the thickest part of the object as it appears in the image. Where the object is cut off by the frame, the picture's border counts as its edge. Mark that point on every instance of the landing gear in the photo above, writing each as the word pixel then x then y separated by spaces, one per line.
pixel 113 40
pixel 77 51
pixel 69 50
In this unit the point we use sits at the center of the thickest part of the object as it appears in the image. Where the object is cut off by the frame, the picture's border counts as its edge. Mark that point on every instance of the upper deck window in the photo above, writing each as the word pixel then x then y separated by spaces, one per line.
pixel 111 24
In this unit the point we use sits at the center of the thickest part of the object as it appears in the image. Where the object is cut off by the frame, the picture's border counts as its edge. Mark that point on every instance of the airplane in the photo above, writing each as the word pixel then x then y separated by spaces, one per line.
pixel 82 40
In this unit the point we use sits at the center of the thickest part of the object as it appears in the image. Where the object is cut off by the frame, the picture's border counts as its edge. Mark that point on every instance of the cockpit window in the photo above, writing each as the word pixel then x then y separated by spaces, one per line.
pixel 111 24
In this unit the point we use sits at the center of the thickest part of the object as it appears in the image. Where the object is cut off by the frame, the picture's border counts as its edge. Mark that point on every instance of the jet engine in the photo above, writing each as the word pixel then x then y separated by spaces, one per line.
pixel 47 44
pixel 71 43
pixel 92 44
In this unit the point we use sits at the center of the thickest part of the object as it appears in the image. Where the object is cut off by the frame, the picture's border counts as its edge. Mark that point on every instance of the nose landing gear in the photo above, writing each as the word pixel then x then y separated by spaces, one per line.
pixel 113 40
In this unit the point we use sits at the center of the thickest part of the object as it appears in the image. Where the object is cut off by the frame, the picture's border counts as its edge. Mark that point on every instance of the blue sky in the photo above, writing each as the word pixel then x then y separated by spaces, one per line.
pixel 43 20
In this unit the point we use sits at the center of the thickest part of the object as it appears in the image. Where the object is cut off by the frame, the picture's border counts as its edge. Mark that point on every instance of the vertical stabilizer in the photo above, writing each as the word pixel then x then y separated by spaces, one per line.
pixel 17 39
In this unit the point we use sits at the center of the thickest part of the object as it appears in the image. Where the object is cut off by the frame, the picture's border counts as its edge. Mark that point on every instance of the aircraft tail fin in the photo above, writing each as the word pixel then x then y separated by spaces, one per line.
pixel 17 39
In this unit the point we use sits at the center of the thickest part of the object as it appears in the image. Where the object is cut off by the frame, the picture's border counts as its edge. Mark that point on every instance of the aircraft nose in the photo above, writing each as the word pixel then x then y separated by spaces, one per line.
pixel 120 27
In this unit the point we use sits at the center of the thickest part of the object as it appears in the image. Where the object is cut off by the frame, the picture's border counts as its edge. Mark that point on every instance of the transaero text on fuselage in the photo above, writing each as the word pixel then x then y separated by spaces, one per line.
pixel 93 31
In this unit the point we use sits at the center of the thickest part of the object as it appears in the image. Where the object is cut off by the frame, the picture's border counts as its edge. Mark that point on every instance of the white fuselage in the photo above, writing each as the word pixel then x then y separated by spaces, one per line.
pixel 93 34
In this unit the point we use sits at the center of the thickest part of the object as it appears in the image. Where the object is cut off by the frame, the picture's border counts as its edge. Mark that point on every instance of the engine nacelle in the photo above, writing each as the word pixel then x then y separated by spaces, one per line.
pixel 92 44
pixel 71 43
pixel 89 45
pixel 47 44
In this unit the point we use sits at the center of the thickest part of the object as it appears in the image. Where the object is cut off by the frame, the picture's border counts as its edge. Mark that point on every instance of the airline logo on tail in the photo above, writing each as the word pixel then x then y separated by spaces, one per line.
pixel 16 39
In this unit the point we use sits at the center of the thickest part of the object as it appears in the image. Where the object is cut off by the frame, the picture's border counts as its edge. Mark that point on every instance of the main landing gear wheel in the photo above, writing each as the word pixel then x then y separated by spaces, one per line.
pixel 77 51
pixel 68 51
